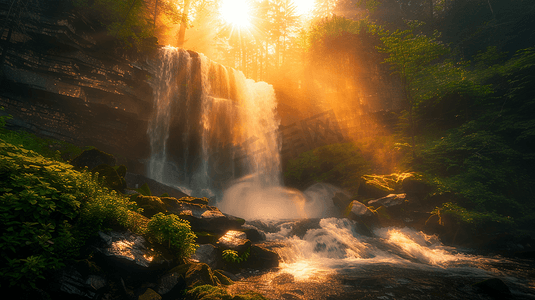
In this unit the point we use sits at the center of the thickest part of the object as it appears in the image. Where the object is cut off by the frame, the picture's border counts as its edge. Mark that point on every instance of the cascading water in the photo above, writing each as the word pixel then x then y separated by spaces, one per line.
pixel 229 146
pixel 214 133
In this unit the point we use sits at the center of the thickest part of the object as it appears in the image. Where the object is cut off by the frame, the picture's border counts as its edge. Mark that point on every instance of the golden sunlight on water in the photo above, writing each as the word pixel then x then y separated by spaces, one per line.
pixel 423 247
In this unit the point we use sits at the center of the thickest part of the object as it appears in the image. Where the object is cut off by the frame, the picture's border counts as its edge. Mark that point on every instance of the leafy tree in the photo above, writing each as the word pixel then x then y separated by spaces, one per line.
pixel 409 53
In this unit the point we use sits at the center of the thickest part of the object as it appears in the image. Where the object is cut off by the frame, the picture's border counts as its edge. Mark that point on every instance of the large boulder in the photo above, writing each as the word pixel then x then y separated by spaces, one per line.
pixel 127 253
pixel 262 258
pixel 135 181
pixel 234 240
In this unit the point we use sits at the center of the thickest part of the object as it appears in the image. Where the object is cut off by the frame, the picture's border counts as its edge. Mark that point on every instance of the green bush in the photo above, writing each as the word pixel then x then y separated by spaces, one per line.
pixel 172 232
pixel 47 211
pixel 339 164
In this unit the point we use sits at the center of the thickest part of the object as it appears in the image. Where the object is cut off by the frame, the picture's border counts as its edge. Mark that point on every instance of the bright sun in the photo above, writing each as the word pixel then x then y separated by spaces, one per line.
pixel 304 7
pixel 236 12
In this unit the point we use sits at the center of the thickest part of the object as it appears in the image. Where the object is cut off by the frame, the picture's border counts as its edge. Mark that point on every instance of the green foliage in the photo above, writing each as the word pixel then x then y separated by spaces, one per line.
pixel 340 164
pixel 173 232
pixel 49 148
pixel 487 160
pixel 476 219
pixel 232 256
pixel 47 211
pixel 125 20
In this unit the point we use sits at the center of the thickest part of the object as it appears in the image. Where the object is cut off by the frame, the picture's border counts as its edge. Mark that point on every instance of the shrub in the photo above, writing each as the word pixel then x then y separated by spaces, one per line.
pixel 47 211
pixel 172 232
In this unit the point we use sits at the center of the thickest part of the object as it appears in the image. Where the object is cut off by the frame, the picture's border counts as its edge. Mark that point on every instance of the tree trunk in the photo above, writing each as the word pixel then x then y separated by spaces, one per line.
pixel 183 24
pixel 156 11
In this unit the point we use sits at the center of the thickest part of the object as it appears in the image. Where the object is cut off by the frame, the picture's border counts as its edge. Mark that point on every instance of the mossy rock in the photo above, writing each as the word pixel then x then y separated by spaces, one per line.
pixel 223 279
pixel 195 200
pixel 151 205
pixel 92 158
pixel 195 274
pixel 110 176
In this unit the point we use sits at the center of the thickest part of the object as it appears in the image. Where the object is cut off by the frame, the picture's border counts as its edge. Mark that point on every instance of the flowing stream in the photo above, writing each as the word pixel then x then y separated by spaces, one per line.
pixel 333 258
pixel 214 134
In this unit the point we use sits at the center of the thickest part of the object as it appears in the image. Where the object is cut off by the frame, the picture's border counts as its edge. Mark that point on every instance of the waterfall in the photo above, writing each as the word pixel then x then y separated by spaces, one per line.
pixel 211 126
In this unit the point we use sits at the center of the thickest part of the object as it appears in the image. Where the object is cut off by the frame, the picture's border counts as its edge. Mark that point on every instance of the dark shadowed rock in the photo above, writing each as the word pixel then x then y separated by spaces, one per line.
pixel 70 281
pixel 110 176
pixel 150 294
pixel 261 258
pixel 495 288
pixel 301 227
pixel 134 181
pixel 93 158
pixel 341 201
pixel 188 276
pixel 253 234
pixel 207 254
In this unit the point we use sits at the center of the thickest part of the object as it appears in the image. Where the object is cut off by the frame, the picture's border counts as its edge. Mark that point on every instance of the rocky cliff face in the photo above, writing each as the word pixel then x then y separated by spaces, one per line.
pixel 59 82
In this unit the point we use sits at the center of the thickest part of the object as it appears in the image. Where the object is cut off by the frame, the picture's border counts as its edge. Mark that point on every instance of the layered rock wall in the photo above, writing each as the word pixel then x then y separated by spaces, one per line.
pixel 58 83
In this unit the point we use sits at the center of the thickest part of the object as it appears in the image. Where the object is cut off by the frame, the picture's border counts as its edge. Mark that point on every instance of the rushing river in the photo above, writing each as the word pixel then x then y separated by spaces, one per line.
pixel 333 260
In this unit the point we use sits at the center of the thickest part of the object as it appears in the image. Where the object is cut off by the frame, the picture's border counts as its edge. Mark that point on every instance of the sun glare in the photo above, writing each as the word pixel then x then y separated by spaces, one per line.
pixel 304 7
pixel 236 12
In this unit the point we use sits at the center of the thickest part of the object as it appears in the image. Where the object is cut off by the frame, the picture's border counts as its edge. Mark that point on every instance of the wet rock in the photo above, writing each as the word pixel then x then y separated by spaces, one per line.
pixel 93 158
pixel 150 294
pixel 207 254
pixel 362 214
pixel 262 258
pixel 389 201
pixel 128 253
pixel 253 234
pixel 301 227
pixel 70 281
pixel 234 240
pixel 495 288
pixel 359 210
